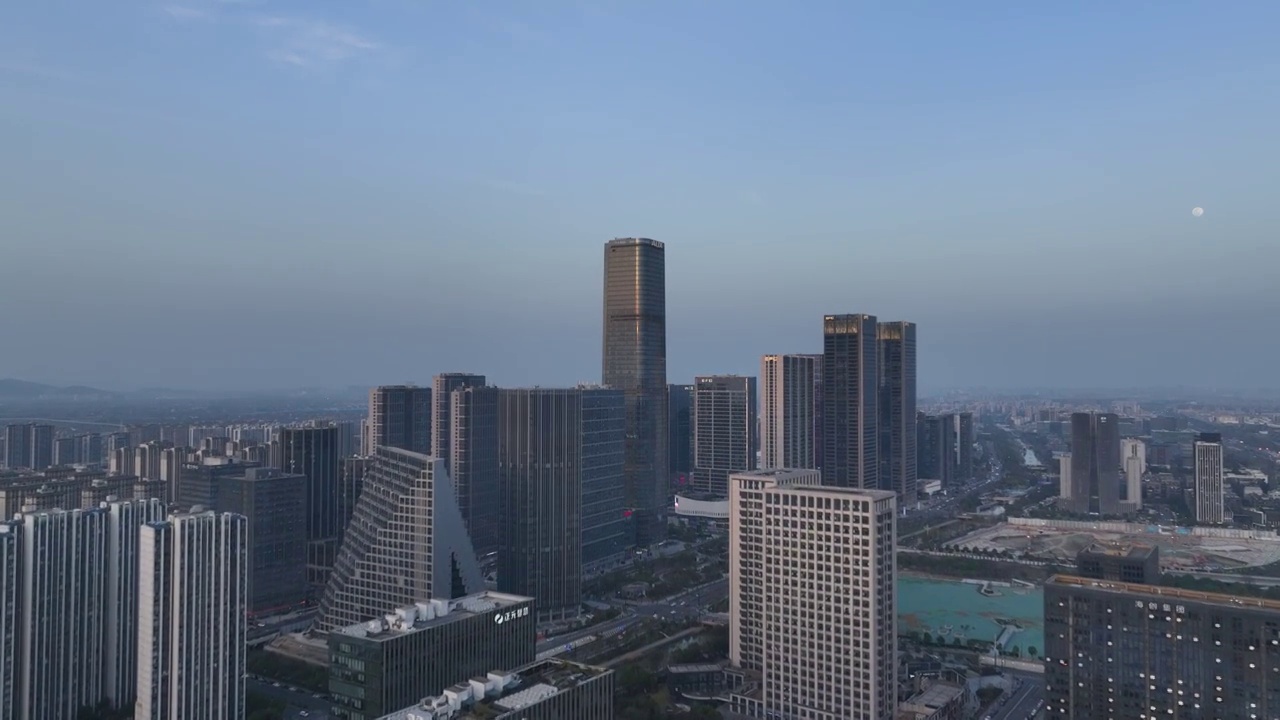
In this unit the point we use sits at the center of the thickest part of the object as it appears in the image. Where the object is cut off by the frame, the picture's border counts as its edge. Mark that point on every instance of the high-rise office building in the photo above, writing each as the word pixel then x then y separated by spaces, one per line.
pixel 405 542
pixel 850 403
pixel 561 462
pixel 964 445
pixel 897 409
pixel 812 608
pixel 470 451
pixel 1095 464
pixel 936 448
pixel 315 452
pixel 192 597
pixel 399 417
pixel 1132 651
pixel 724 431
pixel 29 446
pixel 1209 490
pixel 680 432
pixel 789 417
pixel 350 485
pixel 442 387
pixel 635 362
pixel 275 505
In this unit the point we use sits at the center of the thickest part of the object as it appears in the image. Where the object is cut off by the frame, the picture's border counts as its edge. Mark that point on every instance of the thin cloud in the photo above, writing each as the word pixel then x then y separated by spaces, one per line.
pixel 290 40
pixel 34 70
pixel 186 12
pixel 305 43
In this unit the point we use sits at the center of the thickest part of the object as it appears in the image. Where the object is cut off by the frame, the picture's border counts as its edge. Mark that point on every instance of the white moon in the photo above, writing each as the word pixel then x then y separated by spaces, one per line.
pixel 1197 212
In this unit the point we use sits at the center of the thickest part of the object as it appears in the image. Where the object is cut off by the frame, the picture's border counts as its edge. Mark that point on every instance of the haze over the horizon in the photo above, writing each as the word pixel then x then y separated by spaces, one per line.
pixel 263 193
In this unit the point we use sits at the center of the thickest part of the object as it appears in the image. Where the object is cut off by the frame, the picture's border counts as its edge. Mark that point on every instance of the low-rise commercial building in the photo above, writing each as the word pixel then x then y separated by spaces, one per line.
pixel 391 662
pixel 545 690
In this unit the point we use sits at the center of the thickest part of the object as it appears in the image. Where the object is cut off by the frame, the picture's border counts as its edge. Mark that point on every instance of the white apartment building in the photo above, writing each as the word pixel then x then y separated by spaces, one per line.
pixel 1208 491
pixel 812 597
pixel 192 596
pixel 789 386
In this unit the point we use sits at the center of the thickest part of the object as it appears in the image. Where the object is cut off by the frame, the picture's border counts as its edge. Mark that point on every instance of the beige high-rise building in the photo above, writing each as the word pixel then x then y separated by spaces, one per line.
pixel 789 417
pixel 812 600
pixel 1064 476
pixel 1133 448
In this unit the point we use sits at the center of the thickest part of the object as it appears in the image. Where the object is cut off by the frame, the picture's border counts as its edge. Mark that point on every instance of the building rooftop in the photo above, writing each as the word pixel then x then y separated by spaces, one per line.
pixel 933 697
pixel 1168 593
pixel 1125 550
pixel 634 241
pixel 430 613
pixel 481 698
pixel 694 668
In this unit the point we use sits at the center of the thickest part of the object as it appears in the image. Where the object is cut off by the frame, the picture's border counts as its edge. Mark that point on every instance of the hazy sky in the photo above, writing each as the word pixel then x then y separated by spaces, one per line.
pixel 218 193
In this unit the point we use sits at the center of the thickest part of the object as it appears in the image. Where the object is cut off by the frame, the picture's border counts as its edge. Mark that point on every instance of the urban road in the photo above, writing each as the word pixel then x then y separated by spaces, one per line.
pixel 1024 702
pixel 300 703
pixel 681 607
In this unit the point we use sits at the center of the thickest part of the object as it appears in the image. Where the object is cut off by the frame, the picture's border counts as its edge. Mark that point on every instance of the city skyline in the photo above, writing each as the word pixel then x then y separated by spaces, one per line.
pixel 959 175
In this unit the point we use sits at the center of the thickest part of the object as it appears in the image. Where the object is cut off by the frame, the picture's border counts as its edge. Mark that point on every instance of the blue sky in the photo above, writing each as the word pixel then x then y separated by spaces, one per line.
pixel 261 193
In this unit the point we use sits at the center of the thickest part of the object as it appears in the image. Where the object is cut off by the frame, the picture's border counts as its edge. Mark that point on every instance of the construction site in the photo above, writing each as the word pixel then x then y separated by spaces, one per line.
pixel 1198 549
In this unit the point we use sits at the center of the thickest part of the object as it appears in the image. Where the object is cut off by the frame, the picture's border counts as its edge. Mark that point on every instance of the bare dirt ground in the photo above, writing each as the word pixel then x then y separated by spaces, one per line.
pixel 1176 551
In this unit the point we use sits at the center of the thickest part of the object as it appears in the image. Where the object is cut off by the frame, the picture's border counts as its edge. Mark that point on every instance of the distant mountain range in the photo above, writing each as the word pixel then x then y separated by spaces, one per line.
pixel 22 390
pixel 12 391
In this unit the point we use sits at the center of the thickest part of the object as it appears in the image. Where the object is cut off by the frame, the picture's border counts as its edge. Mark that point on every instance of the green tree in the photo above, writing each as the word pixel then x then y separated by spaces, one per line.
pixel 1032 651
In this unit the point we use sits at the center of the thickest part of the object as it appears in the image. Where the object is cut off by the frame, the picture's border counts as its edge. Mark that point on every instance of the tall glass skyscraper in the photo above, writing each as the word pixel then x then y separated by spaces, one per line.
pixel 635 362
pixel 560 458
pixel 850 402
pixel 1095 464
pixel 314 452
pixel 897 422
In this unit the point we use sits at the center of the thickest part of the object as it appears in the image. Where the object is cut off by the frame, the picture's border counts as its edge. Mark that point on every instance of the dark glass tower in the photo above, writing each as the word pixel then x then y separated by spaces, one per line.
pixel 560 462
pixel 29 446
pixel 897 421
pixel 313 452
pixel 471 453
pixel 442 389
pixel 964 445
pixel 1095 463
pixel 400 417
pixel 850 402
pixel 936 448
pixel 635 362
pixel 680 432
